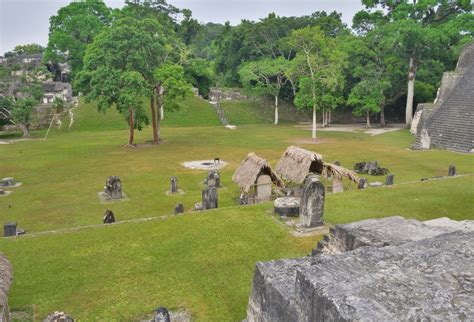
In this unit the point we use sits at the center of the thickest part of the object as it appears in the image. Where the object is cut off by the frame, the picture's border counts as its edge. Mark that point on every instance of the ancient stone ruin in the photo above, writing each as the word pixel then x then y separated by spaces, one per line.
pixel 58 316
pixel 447 123
pixel 370 167
pixel 209 198
pixel 113 187
pixel 9 229
pixel 213 179
pixel 287 206
pixel 6 278
pixel 179 209
pixel 312 204
pixel 390 269
pixel 109 217
pixel 173 185
pixel 8 182
pixel 161 315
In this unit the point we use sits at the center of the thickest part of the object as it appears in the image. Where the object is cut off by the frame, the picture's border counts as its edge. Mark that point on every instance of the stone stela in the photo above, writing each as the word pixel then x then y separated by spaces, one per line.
pixel 173 185
pixel 209 198
pixel 264 188
pixel 312 203
pixel 213 179
pixel 389 181
pixel 109 217
pixel 113 187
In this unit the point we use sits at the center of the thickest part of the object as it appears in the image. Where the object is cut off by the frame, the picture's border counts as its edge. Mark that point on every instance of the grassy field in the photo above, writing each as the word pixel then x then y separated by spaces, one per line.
pixel 199 261
pixel 261 111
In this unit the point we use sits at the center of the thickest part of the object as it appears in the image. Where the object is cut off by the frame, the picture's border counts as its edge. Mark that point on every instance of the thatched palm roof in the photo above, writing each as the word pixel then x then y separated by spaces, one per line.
pixel 5 282
pixel 250 169
pixel 332 170
pixel 296 163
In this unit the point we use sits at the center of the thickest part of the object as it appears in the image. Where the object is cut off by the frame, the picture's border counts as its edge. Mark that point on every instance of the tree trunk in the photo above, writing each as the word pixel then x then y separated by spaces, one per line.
pixel 276 109
pixel 26 131
pixel 153 119
pixel 313 135
pixel 410 92
pixel 329 116
pixel 324 118
pixel 162 103
pixel 132 127
pixel 159 100
pixel 382 115
pixel 368 119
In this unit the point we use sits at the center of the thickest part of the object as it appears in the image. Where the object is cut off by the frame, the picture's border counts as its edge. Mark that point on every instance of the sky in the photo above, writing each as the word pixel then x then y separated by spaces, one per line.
pixel 27 21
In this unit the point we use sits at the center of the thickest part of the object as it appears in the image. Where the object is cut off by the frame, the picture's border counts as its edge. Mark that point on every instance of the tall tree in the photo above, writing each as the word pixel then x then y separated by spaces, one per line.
pixel 24 99
pixel 72 29
pixel 265 76
pixel 171 85
pixel 119 64
pixel 318 64
pixel 418 32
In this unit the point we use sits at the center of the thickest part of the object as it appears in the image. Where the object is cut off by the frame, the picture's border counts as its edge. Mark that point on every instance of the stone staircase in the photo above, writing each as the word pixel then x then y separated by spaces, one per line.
pixel 220 113
pixel 450 122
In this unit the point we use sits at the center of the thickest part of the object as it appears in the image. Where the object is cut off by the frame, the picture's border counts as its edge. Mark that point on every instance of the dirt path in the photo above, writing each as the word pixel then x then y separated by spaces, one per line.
pixel 353 128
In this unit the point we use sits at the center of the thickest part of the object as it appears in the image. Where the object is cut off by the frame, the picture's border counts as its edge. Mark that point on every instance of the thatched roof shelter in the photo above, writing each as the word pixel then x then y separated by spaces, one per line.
pixel 296 163
pixel 6 276
pixel 250 169
pixel 333 170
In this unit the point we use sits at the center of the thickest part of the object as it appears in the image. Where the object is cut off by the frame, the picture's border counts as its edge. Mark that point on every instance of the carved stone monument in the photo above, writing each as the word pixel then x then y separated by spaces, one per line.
pixel 209 198
pixel 452 170
pixel 161 315
pixel 113 187
pixel 213 179
pixel 173 185
pixel 287 206
pixel 109 217
pixel 337 185
pixel 179 209
pixel 362 183
pixel 312 205
pixel 7 182
pixel 58 317
pixel 264 188
pixel 389 180
pixel 9 229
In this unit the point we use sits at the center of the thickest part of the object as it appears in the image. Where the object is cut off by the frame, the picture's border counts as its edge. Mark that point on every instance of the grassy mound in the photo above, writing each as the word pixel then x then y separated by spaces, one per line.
pixel 193 111
pixel 261 111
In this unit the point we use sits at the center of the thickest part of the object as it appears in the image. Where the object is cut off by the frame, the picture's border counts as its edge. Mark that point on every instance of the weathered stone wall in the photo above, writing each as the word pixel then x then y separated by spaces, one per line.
pixel 6 277
pixel 373 270
pixel 218 94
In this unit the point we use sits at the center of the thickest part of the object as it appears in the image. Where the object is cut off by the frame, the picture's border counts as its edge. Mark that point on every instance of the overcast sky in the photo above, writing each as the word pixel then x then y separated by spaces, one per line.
pixel 27 21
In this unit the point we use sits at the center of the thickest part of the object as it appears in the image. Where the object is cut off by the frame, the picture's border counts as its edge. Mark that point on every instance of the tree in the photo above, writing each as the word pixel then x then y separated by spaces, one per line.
pixel 368 97
pixel 319 63
pixel 266 76
pixel 171 85
pixel 117 65
pixel 200 74
pixel 419 32
pixel 72 29
pixel 28 49
pixel 23 101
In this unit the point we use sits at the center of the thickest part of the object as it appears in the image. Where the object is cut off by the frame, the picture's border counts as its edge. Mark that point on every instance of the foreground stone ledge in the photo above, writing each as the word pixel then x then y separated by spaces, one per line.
pixel 380 269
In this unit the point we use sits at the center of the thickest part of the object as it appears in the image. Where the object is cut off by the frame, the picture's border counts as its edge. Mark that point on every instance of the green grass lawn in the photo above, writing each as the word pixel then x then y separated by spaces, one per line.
pixel 199 261
pixel 261 111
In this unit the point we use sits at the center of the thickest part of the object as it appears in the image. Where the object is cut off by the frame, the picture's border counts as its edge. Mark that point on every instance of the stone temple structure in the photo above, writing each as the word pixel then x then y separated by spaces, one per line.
pixel 390 269
pixel 448 122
